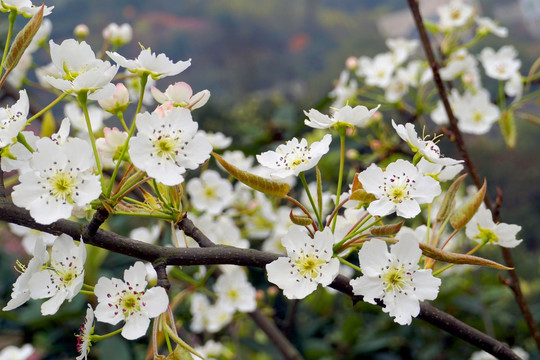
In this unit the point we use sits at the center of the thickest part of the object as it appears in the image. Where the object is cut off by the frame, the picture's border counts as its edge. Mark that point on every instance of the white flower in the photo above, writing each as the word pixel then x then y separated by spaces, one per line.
pixel 459 63
pixel 110 146
pixel 85 332
pixel 514 86
pixel 13 119
pixel 260 217
pixel 24 7
pixel 400 188
pixel 344 89
pixel 118 101
pixel 31 236
pixel 377 71
pixel 235 292
pixel 129 300
pixel 181 94
pixel 487 25
pixel 238 159
pixel 213 228
pixel 211 318
pixel 294 157
pixel 60 178
pixel 438 115
pixel 455 14
pixel 426 148
pixel 500 65
pixel 358 116
pixel 308 263
pixel 118 34
pixel 76 69
pixel 147 235
pixel 64 277
pixel 482 229
pixel 166 146
pixel 217 140
pixel 437 171
pixel 14 353
pixel 157 67
pixel 394 278
pixel 401 48
pixel 21 288
pixel 211 350
pixel 482 355
pixel 74 113
pixel 17 156
pixel 133 84
pixel 475 112
pixel 210 192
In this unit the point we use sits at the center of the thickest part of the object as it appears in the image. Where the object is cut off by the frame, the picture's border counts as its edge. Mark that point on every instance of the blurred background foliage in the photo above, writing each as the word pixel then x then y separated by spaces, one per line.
pixel 265 61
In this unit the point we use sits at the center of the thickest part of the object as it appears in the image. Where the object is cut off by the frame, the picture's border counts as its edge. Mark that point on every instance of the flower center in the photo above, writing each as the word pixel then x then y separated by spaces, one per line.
pixel 397 188
pixel 396 278
pixel 309 266
pixel 477 116
pixel 487 236
pixel 62 185
pixel 130 303
pixel 210 192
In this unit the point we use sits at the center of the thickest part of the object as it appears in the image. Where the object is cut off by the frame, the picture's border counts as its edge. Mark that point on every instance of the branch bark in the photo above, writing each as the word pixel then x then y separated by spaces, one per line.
pixel 514 284
pixel 219 254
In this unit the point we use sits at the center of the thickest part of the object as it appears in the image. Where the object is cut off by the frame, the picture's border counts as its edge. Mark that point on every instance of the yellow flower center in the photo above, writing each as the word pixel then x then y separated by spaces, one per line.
pixel 62 185
pixel 309 266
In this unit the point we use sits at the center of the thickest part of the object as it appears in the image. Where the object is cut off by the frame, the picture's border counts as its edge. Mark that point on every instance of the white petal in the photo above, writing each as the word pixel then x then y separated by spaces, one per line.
pixel 136 326
pixel 156 300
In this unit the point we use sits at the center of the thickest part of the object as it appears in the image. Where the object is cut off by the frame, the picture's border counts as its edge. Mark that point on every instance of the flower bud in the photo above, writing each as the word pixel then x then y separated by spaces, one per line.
pixel 351 63
pixel 118 35
pixel 199 99
pixel 81 31
pixel 118 101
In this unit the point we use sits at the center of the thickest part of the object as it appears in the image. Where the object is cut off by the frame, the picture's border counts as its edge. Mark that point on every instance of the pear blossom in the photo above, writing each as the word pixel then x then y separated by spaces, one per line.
pixel 13 119
pixel 63 278
pixel 483 355
pixel 31 236
pixel 21 287
pixel 210 192
pixel 235 291
pixel 395 278
pixel 238 159
pixel 213 228
pixel 24 7
pixel 181 94
pixel 147 235
pixel 77 70
pixel 438 115
pixel 129 300
pixel 118 34
pixel 500 65
pixel 308 263
pixel 455 14
pixel 346 116
pixel 344 89
pixel 118 101
pixel 401 48
pixel 260 217
pixel 17 156
pixel 85 332
pixel 460 63
pixel 437 171
pixel 476 113
pixel 217 140
pixel 482 228
pixel 81 31
pixel 211 350
pixel 60 178
pixel 75 114
pixel 166 146
pixel 110 146
pixel 427 148
pixel 487 25
pixel 157 67
pixel 377 71
pixel 208 317
pixel 294 157
pixel 514 86
pixel 401 188
pixel 133 84
pixel 15 353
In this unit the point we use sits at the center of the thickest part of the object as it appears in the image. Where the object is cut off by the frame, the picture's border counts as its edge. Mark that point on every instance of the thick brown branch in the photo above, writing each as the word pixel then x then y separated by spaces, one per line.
pixel 219 254
pixel 471 168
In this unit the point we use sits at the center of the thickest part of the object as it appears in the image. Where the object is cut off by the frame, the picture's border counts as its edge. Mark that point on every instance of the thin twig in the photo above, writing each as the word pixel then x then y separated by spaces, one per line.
pixel 514 284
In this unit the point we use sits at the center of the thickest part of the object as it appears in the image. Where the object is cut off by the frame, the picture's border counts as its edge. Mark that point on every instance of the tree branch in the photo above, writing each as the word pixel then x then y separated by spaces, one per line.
pixel 219 254
pixel 471 169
